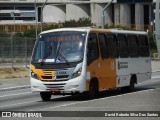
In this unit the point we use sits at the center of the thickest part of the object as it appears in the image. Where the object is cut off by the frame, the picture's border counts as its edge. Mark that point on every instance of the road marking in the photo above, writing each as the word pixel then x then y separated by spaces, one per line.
pixel 149 81
pixel 64 105
pixel 155 71
pixel 15 94
pixel 155 77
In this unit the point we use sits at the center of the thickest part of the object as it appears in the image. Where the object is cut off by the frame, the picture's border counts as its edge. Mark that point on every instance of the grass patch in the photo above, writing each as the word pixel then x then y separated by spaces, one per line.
pixel 17 72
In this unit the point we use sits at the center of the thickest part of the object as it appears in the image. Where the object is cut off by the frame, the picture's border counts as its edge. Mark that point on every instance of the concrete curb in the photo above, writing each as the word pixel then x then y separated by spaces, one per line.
pixel 15 88
pixel 155 71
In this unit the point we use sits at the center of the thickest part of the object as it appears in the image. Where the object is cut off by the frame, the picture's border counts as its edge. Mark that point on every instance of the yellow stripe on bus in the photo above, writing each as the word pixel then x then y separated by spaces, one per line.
pixel 43 72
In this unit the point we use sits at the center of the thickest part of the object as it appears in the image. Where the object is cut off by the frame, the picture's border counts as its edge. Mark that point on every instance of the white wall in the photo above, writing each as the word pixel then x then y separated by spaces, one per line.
pixel 117 13
pixel 125 14
pixel 76 11
pixel 96 13
pixel 54 13
pixel 139 16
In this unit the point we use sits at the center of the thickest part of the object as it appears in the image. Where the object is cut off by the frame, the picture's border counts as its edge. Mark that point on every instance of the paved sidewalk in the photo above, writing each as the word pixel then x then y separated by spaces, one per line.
pixel 20 83
pixel 155 66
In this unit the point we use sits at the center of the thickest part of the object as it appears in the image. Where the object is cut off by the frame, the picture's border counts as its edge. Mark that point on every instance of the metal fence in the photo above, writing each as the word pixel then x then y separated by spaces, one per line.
pixel 15 50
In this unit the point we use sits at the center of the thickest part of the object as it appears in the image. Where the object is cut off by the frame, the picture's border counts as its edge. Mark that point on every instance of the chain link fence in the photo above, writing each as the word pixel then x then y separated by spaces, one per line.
pixel 15 51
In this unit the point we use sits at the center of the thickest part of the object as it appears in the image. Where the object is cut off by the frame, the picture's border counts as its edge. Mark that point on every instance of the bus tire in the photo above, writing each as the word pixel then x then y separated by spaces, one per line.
pixel 132 84
pixel 46 96
pixel 93 89
pixel 131 87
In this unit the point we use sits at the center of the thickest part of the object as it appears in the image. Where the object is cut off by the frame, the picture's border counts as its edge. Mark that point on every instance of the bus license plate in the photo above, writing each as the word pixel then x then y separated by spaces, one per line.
pixel 54 89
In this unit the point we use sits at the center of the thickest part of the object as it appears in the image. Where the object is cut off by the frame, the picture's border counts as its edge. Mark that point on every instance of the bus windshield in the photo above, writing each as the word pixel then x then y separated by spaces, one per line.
pixel 59 47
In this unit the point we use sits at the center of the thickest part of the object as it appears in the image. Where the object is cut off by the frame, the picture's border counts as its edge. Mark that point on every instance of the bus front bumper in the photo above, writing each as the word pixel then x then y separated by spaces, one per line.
pixel 71 86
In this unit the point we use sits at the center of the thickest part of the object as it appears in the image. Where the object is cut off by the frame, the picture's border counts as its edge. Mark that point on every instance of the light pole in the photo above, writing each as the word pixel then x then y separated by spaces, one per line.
pixel 103 18
pixel 35 7
pixel 42 14
pixel 14 16
pixel 157 25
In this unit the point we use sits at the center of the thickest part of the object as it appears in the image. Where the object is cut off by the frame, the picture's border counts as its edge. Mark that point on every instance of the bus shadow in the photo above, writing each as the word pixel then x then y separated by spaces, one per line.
pixel 103 94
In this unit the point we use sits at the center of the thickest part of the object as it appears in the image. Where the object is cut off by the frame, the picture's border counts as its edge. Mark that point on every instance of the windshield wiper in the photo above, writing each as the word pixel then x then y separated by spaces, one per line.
pixel 59 51
pixel 46 56
pixel 64 57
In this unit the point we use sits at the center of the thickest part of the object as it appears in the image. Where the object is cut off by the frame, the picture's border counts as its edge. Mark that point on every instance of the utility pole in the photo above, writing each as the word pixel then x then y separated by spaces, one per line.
pixel 14 17
pixel 157 25
pixel 103 17
pixel 42 15
pixel 36 19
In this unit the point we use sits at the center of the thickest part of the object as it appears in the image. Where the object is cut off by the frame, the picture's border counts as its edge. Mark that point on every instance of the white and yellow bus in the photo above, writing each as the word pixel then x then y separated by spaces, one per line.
pixel 78 60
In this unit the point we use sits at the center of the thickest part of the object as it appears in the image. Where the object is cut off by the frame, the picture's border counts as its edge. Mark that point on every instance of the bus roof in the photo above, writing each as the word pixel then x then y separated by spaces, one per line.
pixel 67 29
pixel 96 30
pixel 120 31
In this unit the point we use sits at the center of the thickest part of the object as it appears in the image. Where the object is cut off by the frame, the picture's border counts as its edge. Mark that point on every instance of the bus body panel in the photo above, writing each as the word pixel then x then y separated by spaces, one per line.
pixel 130 66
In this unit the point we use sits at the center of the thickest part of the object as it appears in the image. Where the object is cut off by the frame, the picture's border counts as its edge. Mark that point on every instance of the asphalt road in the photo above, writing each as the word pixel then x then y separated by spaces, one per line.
pixel 146 97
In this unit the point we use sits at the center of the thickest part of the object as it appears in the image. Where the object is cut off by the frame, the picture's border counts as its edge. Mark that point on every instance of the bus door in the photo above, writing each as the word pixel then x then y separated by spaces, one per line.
pixel 93 66
pixel 108 52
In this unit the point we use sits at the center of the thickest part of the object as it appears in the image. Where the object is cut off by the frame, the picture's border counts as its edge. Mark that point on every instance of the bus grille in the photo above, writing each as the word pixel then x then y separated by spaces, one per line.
pixel 59 78
pixel 48 76
pixel 59 86
pixel 62 76
pixel 48 72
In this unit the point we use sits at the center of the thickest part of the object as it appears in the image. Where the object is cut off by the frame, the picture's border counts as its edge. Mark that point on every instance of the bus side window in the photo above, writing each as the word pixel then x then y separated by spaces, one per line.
pixel 123 46
pixel 92 52
pixel 103 45
pixel 112 46
pixel 133 46
pixel 144 46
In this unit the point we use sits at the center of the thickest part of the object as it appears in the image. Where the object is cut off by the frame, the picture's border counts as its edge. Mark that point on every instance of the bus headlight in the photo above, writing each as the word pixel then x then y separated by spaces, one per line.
pixel 77 73
pixel 34 75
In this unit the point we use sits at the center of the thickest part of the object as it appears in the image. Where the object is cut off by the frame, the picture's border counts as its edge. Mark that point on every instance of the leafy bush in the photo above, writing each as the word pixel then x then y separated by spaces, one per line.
pixel 30 33
pixel 4 34
pixel 152 42
pixel 106 26
pixel 53 26
pixel 81 22
pixel 18 34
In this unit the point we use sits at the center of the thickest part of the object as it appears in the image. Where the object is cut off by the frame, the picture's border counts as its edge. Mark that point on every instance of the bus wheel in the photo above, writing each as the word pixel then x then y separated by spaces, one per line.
pixel 46 96
pixel 131 87
pixel 93 89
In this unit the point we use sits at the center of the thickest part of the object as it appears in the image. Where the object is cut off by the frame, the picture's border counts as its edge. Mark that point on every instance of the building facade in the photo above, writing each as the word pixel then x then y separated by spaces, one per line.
pixel 131 13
